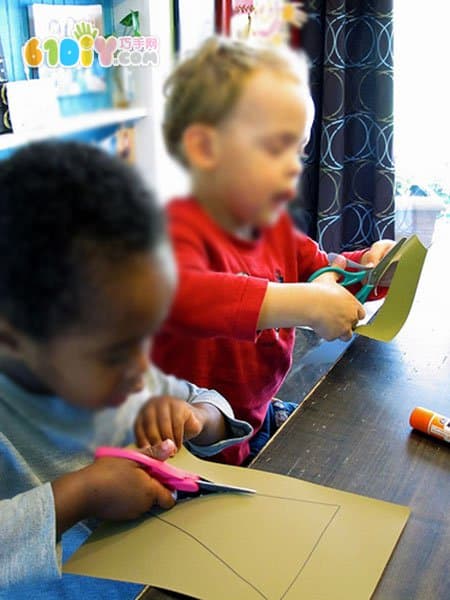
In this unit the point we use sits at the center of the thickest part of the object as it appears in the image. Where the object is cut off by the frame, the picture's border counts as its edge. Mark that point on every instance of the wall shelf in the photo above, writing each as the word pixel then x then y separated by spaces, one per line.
pixel 74 124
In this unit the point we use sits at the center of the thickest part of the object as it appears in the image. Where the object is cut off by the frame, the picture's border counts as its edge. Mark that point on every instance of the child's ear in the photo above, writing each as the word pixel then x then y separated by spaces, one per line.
pixel 9 340
pixel 200 145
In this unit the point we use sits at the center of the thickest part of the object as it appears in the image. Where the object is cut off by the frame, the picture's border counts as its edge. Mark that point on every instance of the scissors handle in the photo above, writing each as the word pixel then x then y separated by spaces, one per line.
pixel 364 292
pixel 348 277
pixel 170 476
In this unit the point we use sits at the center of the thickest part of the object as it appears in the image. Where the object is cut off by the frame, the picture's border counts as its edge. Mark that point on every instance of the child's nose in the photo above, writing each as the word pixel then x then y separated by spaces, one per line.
pixel 141 363
pixel 295 166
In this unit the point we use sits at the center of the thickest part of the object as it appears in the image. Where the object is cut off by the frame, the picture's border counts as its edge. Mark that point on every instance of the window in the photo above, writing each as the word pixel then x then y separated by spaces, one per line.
pixel 421 115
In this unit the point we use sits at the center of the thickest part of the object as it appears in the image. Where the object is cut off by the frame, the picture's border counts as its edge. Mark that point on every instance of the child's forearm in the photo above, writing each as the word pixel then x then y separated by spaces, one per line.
pixel 70 497
pixel 288 305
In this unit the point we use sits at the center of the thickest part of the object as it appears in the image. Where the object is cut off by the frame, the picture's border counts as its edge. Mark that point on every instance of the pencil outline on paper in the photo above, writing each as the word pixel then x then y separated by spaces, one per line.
pixel 337 508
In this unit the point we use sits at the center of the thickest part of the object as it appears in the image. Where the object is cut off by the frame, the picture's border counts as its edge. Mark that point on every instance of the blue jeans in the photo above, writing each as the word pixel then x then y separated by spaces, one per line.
pixel 271 423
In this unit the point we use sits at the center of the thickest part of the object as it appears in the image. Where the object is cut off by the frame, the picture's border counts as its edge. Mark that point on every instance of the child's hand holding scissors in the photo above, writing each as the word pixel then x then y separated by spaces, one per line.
pixel 383 254
pixel 182 483
pixel 107 489
pixel 375 255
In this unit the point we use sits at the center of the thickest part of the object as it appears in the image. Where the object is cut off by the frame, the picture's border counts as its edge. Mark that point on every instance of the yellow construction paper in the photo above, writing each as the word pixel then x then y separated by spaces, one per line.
pixel 393 313
pixel 290 540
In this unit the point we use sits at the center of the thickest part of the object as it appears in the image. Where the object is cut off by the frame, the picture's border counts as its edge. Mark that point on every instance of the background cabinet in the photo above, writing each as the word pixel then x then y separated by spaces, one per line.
pixel 92 117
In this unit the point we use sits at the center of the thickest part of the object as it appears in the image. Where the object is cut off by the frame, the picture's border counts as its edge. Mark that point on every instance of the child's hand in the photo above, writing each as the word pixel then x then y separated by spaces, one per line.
pixel 324 305
pixel 335 312
pixel 109 488
pixel 332 277
pixel 121 489
pixel 375 254
pixel 168 418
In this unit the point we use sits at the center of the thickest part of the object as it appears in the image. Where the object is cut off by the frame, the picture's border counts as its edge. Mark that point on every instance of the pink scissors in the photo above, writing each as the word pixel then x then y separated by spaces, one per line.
pixel 170 476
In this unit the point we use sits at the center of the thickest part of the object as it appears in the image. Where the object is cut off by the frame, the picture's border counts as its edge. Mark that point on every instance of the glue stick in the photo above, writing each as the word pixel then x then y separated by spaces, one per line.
pixel 430 422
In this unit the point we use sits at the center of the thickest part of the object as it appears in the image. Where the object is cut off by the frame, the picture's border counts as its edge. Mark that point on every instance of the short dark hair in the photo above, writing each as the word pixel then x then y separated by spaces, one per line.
pixel 56 198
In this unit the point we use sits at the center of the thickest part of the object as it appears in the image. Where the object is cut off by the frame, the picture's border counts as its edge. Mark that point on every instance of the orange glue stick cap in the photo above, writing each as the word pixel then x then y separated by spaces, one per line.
pixel 431 423
pixel 420 418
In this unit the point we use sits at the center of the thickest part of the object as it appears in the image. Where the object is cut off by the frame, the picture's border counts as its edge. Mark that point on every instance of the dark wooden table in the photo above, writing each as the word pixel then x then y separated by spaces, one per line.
pixel 352 433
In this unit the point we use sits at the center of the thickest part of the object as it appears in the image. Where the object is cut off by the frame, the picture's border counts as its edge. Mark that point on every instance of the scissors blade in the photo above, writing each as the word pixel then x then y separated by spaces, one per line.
pixel 210 486
pixel 377 272
pixel 348 263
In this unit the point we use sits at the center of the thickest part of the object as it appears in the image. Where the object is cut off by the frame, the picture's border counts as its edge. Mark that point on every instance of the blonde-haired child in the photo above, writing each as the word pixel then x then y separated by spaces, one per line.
pixel 238 116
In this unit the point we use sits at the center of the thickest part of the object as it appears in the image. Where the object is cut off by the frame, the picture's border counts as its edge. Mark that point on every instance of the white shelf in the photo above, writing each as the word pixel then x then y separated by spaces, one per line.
pixel 77 123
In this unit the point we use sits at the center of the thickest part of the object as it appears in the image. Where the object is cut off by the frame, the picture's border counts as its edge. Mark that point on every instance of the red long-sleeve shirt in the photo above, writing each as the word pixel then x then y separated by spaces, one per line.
pixel 210 336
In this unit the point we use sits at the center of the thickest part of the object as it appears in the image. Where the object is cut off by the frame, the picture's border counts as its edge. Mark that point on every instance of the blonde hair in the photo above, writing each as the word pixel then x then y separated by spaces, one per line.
pixel 205 87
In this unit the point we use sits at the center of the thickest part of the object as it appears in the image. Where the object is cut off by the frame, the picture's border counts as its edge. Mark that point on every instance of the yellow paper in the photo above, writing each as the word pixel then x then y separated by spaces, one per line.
pixel 290 540
pixel 395 310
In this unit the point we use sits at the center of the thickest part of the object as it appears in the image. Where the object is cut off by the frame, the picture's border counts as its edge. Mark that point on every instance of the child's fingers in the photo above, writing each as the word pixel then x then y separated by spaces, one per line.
pixel 179 414
pixel 345 337
pixel 166 419
pixel 162 451
pixel 152 427
pixel 161 428
pixel 141 436
pixel 339 261
pixel 361 313
pixel 370 258
pixel 192 427
pixel 376 253
pixel 332 277
pixel 162 496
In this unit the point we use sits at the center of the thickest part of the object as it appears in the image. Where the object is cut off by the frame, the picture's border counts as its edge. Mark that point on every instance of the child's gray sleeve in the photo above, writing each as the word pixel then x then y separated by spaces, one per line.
pixel 162 384
pixel 28 550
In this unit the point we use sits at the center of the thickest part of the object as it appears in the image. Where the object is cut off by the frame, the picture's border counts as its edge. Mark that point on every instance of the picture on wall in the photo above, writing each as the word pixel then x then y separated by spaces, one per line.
pixel 59 22
pixel 269 20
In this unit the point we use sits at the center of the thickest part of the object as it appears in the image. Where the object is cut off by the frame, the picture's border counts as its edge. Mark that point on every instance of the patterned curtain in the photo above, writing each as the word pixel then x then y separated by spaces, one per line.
pixel 346 196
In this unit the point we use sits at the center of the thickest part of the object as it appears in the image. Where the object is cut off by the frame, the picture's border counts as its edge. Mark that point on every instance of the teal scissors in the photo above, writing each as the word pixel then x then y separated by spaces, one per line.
pixel 371 276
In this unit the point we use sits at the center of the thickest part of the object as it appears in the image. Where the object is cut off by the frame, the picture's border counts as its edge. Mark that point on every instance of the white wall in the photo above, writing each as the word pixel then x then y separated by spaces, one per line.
pixel 159 170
